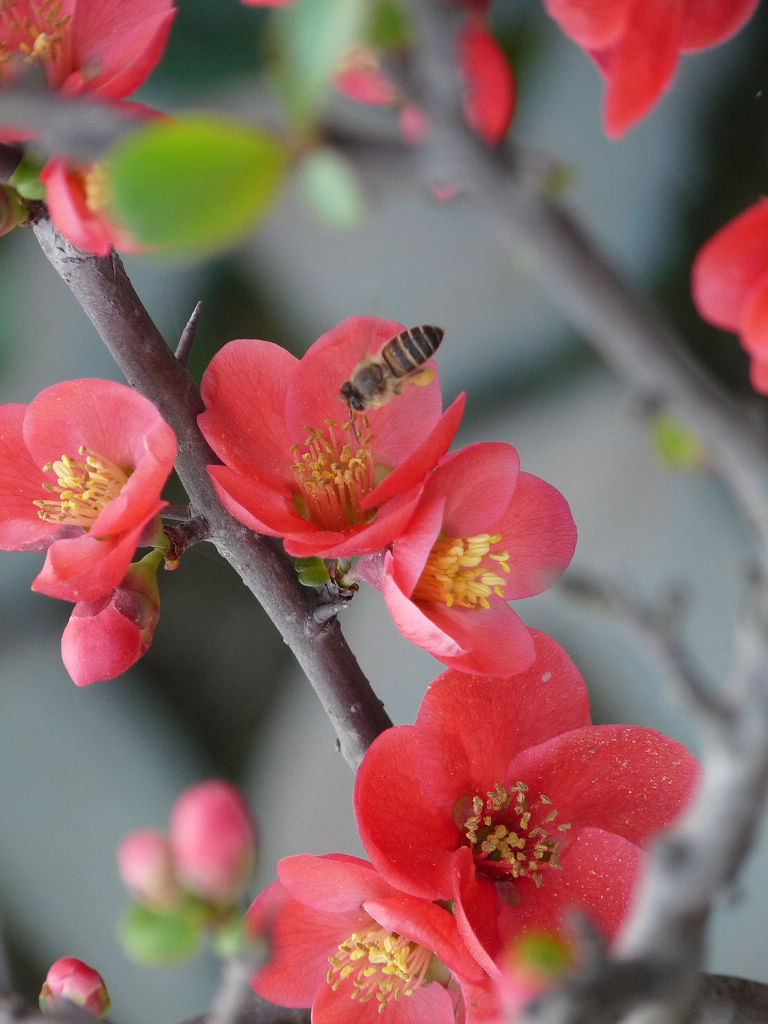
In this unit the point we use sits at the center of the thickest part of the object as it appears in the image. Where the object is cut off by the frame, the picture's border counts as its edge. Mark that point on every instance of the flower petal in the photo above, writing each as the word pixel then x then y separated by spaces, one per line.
pixel 593 25
pixel 707 22
pixel 21 483
pixel 334 882
pixel 493 641
pixel 489 100
pixel 478 483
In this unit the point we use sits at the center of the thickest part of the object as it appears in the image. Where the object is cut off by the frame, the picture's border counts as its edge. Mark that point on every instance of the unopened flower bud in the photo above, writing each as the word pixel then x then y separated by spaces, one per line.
pixel 146 868
pixel 72 979
pixel 105 637
pixel 213 839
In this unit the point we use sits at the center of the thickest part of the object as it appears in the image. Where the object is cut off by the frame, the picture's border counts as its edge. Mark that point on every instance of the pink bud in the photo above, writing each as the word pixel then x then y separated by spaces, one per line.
pixel 213 840
pixel 72 979
pixel 105 637
pixel 146 867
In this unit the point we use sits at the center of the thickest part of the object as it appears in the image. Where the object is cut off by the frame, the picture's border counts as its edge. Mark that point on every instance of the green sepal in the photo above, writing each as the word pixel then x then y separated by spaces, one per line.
pixel 26 178
pixel 157 937
pixel 676 443
pixel 312 572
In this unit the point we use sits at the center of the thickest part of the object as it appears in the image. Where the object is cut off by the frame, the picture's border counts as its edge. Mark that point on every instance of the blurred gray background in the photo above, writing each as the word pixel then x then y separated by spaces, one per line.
pixel 218 694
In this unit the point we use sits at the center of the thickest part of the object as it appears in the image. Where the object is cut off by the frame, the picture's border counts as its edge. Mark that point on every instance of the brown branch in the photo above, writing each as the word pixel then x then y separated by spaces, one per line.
pixel 106 295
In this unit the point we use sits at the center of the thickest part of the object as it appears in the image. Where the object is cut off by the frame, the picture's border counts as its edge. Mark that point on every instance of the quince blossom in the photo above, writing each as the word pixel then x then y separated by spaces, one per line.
pixel 637 44
pixel 730 284
pixel 73 979
pixel 81 469
pixel 358 951
pixel 483 533
pixel 295 464
pixel 504 798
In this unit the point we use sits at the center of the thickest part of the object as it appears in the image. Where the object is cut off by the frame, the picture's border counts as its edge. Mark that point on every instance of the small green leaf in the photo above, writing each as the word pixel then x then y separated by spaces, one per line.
pixel 156 937
pixel 314 37
pixel 26 178
pixel 197 183
pixel 331 189
pixel 676 442
pixel 390 25
pixel 312 572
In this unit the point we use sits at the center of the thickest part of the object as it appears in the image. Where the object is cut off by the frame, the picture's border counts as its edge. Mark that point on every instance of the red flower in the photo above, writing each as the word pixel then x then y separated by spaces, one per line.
pixel 358 951
pixel 294 464
pixel 82 469
pixel 730 284
pixel 637 44
pixel 489 102
pixel 482 534
pixel 503 797
pixel 107 635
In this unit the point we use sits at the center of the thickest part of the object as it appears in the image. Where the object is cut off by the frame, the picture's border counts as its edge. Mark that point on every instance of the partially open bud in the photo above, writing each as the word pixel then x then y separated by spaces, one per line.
pixel 105 637
pixel 213 839
pixel 72 979
pixel 146 868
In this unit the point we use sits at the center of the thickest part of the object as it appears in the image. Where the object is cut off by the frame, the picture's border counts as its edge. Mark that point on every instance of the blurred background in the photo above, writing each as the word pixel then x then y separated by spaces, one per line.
pixel 219 694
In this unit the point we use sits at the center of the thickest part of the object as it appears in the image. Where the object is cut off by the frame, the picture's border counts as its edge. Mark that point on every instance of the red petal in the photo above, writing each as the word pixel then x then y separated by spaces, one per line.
pixel 335 882
pixel 641 64
pixel 758 374
pixel 262 504
pixel 21 483
pixel 494 640
pixel 458 754
pixel 622 778
pixel 412 548
pixel 429 1003
pixel 98 642
pixel 707 22
pixel 478 483
pixel 244 388
pixel 85 568
pixel 730 265
pixel 476 908
pixel 70 213
pixel 593 24
pixel 489 101
pixel 754 324
pixel 416 624
pixel 598 878
pixel 392 813
pixel 538 533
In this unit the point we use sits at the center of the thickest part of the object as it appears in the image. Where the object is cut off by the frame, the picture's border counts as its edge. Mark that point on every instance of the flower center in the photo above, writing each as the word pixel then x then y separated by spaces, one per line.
pixel 96 185
pixel 333 475
pixel 512 837
pixel 463 571
pixel 32 29
pixel 381 964
pixel 85 486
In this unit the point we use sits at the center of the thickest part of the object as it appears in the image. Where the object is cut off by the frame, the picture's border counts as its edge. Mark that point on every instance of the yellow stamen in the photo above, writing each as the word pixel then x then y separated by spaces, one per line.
pixel 333 475
pixel 501 837
pixel 380 964
pixel 97 188
pixel 34 36
pixel 85 487
pixel 463 571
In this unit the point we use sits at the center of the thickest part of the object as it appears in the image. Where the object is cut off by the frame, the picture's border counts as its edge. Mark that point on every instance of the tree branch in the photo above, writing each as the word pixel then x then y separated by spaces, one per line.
pixel 106 295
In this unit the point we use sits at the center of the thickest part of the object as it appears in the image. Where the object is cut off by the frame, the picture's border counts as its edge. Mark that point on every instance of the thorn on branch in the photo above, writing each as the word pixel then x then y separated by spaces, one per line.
pixel 188 335
pixel 182 536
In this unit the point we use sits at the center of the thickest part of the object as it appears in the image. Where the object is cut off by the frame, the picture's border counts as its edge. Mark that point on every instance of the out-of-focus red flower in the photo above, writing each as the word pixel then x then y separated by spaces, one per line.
pixel 490 94
pixel 530 963
pixel 81 471
pixel 637 44
pixel 294 464
pixel 523 808
pixel 213 841
pixel 104 637
pixel 146 867
pixel 483 534
pixel 358 951
pixel 730 284
pixel 70 978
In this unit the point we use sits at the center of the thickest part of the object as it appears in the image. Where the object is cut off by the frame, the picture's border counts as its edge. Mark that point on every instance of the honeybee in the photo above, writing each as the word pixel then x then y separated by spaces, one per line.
pixel 377 379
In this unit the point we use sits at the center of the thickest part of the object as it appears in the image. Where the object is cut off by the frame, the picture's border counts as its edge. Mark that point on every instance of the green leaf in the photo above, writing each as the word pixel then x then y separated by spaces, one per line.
pixel 198 183
pixel 26 178
pixel 331 189
pixel 312 571
pixel 156 937
pixel 390 25
pixel 314 37
pixel 676 442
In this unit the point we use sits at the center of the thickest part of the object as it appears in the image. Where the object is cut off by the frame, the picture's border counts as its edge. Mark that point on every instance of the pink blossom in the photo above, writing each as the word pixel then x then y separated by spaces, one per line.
pixel 146 867
pixel 637 44
pixel 730 284
pixel 482 534
pixel 358 951
pixel 70 978
pixel 107 635
pixel 213 841
pixel 295 466
pixel 80 478
pixel 490 91
pixel 504 798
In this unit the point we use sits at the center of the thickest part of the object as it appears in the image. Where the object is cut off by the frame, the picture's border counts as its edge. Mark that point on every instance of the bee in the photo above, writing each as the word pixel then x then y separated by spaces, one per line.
pixel 377 379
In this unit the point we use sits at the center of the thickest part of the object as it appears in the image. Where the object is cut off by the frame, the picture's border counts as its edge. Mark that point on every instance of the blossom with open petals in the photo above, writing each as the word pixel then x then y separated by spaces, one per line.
pixel 637 44
pixel 730 284
pixel 483 533
pixel 81 469
pixel 503 797
pixel 356 950
pixel 295 465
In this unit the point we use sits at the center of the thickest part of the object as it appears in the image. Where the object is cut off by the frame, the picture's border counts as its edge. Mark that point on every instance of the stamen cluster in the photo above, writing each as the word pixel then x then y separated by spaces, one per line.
pixel 379 963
